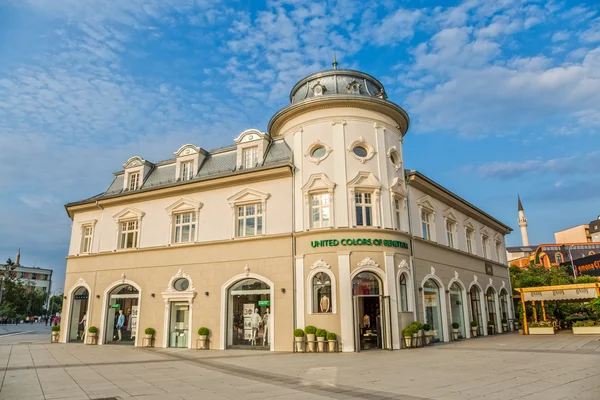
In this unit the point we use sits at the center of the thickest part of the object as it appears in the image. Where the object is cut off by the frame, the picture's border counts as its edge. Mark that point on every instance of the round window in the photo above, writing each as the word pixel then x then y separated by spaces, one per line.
pixel 318 152
pixel 360 151
pixel 394 158
pixel 181 284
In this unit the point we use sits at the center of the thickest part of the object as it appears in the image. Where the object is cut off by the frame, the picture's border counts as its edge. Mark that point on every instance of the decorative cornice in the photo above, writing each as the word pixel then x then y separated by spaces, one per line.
pixel 180 274
pixel 320 264
pixel 368 262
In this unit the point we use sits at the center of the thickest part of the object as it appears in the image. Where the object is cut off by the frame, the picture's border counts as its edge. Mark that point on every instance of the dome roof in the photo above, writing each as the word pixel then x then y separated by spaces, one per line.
pixel 337 82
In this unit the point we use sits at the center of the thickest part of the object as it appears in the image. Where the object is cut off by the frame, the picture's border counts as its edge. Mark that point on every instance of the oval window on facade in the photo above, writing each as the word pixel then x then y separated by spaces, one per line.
pixel 181 284
pixel 318 152
pixel 394 157
pixel 360 151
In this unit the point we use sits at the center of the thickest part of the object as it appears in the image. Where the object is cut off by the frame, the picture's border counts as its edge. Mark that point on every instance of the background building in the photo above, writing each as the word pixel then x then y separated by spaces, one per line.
pixel 576 234
pixel 594 229
pixel 33 277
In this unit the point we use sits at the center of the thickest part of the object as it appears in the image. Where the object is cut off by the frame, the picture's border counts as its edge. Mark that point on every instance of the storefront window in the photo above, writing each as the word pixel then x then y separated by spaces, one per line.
pixel 321 293
pixel 456 307
pixel 366 287
pixel 122 315
pixel 248 314
pixel 433 308
pixel 476 308
pixel 403 294
pixel 179 327
pixel 78 323
pixel 503 305
pixel 491 305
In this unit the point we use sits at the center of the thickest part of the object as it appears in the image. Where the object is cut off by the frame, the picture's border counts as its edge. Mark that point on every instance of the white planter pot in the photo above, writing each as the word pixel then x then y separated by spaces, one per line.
pixel 310 338
pixel 202 339
pixel 586 330
pixel 541 331
pixel 504 327
pixel 474 332
pixel 321 344
pixel 428 337
pixel 454 334
pixel 299 341
pixel 331 344
pixel 55 337
pixel 407 341
pixel 491 329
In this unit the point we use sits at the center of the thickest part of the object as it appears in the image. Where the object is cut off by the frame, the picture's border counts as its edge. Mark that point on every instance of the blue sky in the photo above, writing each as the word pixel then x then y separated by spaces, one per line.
pixel 504 96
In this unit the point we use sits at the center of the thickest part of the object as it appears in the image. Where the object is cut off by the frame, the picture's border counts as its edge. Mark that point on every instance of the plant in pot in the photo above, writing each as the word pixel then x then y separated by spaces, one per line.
pixel 92 333
pixel 491 327
pixel 428 334
pixel 407 334
pixel 310 337
pixel 55 333
pixel 455 326
pixel 474 326
pixel 331 341
pixel 298 339
pixel 321 335
pixel 504 325
pixel 202 335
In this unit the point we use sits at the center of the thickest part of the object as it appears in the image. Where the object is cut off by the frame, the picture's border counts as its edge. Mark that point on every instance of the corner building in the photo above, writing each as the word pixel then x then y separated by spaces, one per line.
pixel 315 222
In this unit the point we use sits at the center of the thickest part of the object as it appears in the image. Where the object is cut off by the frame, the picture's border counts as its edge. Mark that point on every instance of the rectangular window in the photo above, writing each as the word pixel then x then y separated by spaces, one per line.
pixel 485 241
pixel 320 210
pixel 398 211
pixel 187 170
pixel 184 227
pixel 129 234
pixel 22 274
pixel 134 181
pixel 426 224
pixel 364 209
pixel 86 238
pixel 250 220
pixel 469 234
pixel 450 233
pixel 499 251
pixel 33 276
pixel 250 157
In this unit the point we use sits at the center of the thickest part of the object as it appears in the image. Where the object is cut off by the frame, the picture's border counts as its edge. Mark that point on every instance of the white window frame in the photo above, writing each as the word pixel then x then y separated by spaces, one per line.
pixel 250 157
pixel 485 243
pixel 427 219
pixel 126 232
pixel 320 266
pixel 128 214
pixel 187 170
pixel 178 227
pixel 258 214
pixel 320 207
pixel 248 197
pixel 182 206
pixel 427 207
pixel 366 182
pixel 398 193
pixel 130 180
pixel 451 236
pixel 470 239
pixel 318 184
pixel 86 240
pixel 366 207
pixel 406 276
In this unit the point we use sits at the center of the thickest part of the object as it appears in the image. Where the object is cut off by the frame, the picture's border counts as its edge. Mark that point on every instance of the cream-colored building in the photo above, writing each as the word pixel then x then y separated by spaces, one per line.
pixel 315 222
pixel 576 234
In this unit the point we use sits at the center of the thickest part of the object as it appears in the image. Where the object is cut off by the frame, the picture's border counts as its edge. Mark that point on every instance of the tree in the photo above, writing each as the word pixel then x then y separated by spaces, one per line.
pixel 586 279
pixel 56 304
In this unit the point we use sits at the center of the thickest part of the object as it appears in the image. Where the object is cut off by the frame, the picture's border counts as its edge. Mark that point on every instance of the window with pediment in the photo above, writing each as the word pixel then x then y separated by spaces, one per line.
pixel 365 193
pixel 249 208
pixel 128 228
pixel 318 198
pixel 427 212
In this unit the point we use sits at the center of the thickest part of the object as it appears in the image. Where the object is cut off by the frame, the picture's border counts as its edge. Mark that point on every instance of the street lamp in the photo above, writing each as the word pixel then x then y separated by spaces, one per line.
pixel 568 248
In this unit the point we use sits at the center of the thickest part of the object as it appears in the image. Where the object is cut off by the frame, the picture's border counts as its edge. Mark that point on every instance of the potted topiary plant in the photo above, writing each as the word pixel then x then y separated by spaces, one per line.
pixel 321 335
pixel 298 339
pixel 428 334
pixel 504 325
pixel 455 326
pixel 474 326
pixel 331 341
pixel 55 333
pixel 92 334
pixel 202 335
pixel 149 332
pixel 310 337
pixel 407 334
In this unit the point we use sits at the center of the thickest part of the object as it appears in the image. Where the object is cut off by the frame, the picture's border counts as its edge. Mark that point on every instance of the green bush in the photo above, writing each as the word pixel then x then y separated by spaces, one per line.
pixel 310 330
pixel 203 331
pixel 298 333
pixel 321 333
pixel 455 325
pixel 409 330
pixel 92 329
pixel 474 324
pixel 56 328
pixel 534 325
pixel 149 331
pixel 578 324
pixel 590 323
pixel 418 325
pixel 331 336
pixel 426 327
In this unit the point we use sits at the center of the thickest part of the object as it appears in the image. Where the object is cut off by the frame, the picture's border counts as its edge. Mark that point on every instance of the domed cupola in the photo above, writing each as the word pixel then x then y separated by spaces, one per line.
pixel 338 88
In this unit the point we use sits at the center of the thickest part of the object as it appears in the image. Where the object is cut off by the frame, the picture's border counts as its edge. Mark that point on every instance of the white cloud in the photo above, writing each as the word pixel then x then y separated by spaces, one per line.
pixel 561 36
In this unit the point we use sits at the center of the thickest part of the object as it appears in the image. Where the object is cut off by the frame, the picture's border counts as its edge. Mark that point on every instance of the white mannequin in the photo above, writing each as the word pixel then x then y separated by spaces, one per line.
pixel 265 322
pixel 84 322
pixel 120 323
pixel 255 321
pixel 324 303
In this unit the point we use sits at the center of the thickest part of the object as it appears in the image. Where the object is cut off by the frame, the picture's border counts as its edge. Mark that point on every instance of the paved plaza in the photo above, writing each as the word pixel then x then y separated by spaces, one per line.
pixel 504 367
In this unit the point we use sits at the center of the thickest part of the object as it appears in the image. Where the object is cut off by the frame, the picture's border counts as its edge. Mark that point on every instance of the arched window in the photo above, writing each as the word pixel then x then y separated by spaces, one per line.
pixel 403 293
pixel 322 298
pixel 591 253
pixel 366 283
pixel 558 257
pixel 491 305
pixel 433 308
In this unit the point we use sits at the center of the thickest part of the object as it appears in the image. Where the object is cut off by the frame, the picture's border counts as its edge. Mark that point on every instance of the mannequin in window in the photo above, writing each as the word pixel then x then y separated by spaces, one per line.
pixel 265 322
pixel 367 321
pixel 120 324
pixel 84 322
pixel 324 304
pixel 255 321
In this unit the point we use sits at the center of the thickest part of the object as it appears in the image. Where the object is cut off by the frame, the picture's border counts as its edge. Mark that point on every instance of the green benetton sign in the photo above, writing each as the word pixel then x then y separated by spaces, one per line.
pixel 359 242
pixel 264 303
pixel 115 306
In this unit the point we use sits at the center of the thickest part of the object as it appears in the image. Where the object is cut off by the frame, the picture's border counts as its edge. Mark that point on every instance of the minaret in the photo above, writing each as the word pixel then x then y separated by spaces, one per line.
pixel 18 258
pixel 523 224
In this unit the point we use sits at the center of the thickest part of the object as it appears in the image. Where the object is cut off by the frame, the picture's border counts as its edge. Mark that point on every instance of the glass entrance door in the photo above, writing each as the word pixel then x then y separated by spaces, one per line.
pixel 456 307
pixel 122 315
pixel 179 331
pixel 249 318
pixel 78 322
pixel 476 308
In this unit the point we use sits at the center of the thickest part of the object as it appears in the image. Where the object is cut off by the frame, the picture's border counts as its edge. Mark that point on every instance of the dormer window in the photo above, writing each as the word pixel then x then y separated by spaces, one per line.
pixel 134 181
pixel 250 157
pixel 187 170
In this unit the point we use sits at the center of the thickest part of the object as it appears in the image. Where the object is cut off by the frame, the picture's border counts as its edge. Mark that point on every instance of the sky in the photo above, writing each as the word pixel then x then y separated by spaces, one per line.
pixel 503 95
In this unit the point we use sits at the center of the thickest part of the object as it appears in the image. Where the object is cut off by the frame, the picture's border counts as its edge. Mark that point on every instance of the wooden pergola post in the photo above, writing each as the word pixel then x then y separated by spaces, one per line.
pixel 534 312
pixel 525 327
pixel 543 311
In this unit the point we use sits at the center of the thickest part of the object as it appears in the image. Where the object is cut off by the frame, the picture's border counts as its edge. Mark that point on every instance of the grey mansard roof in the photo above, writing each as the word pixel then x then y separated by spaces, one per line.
pixel 218 163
